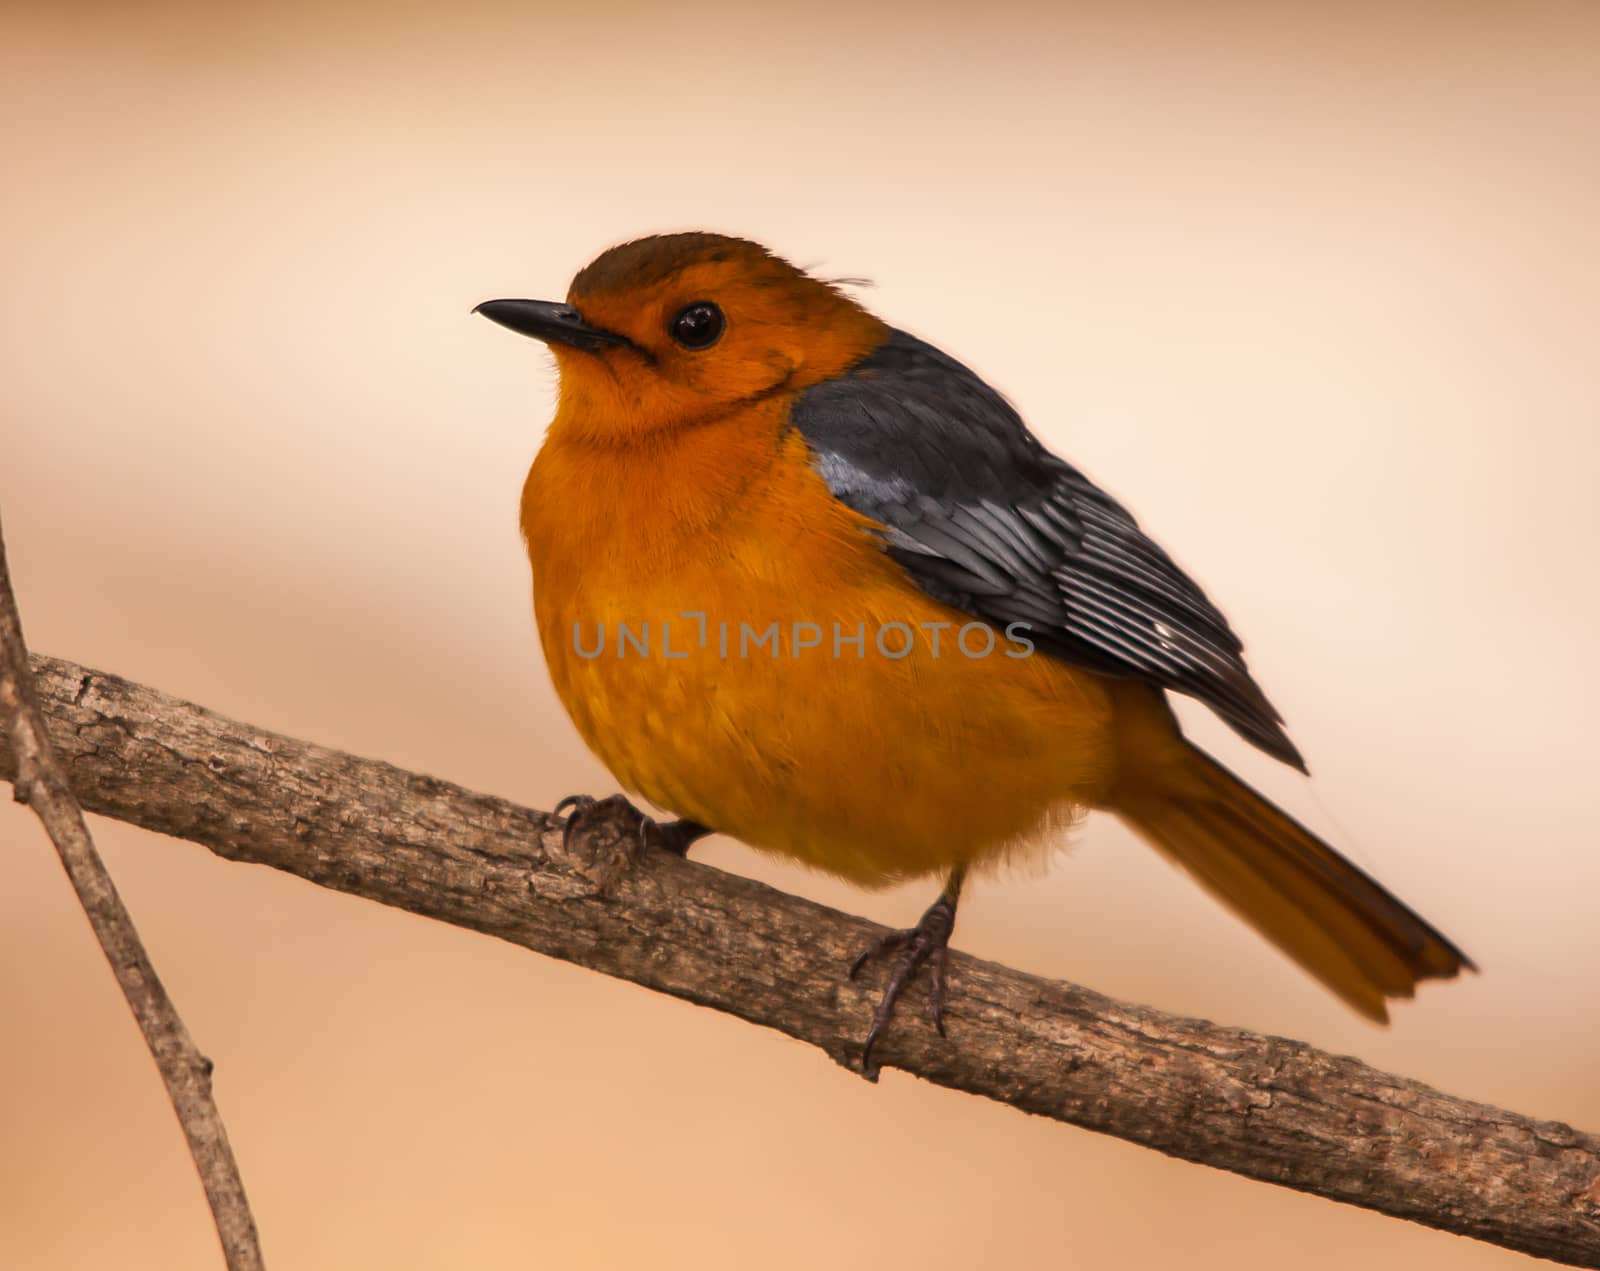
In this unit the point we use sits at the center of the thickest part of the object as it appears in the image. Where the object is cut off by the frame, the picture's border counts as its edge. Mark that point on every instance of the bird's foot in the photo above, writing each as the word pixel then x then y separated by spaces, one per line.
pixel 928 942
pixel 603 837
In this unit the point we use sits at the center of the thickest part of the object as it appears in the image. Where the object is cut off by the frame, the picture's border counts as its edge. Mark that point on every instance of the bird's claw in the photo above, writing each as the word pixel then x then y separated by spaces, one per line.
pixel 599 837
pixel 579 805
pixel 928 942
pixel 602 838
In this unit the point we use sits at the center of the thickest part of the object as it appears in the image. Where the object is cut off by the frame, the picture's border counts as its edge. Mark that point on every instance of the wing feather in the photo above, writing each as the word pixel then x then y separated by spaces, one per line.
pixel 985 519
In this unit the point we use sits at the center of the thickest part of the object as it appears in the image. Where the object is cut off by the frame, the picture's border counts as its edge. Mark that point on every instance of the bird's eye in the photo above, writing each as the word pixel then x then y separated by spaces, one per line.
pixel 698 325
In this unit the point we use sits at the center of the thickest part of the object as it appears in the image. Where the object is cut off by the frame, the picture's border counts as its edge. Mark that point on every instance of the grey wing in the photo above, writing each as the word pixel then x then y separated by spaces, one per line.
pixel 985 519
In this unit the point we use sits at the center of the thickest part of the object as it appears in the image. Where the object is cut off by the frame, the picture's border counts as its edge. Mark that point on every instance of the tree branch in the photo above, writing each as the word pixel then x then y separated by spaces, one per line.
pixel 1263 1107
pixel 39 782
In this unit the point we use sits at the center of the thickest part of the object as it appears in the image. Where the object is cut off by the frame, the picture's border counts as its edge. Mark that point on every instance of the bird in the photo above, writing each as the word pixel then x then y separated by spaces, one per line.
pixel 803 579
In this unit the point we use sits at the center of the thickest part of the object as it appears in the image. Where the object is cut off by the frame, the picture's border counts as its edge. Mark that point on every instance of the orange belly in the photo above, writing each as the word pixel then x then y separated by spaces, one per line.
pixel 765 717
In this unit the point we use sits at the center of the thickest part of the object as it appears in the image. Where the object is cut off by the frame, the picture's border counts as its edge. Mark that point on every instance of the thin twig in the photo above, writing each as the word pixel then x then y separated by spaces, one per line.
pixel 40 782
pixel 1260 1106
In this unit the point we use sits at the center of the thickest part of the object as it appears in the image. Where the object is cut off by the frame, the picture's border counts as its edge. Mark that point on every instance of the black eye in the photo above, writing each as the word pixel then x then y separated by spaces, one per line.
pixel 698 325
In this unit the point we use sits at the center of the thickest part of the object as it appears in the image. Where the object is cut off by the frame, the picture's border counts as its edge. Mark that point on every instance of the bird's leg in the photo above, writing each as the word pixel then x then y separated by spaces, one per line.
pixel 676 837
pixel 928 941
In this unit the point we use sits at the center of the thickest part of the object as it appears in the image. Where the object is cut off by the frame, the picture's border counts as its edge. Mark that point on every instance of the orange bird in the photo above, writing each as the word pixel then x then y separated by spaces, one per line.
pixel 808 581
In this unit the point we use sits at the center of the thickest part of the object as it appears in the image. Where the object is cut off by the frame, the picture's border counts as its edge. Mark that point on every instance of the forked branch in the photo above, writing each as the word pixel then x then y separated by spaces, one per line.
pixel 38 780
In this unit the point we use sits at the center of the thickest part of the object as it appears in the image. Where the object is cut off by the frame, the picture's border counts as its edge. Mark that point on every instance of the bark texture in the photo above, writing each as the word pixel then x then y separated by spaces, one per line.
pixel 1264 1107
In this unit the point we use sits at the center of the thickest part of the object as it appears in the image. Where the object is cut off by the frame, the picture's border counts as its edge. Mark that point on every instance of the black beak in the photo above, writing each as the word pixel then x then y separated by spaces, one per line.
pixel 551 322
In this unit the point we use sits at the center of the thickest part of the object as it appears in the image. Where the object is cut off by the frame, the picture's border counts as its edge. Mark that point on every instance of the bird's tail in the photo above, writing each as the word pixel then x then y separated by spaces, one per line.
pixel 1324 912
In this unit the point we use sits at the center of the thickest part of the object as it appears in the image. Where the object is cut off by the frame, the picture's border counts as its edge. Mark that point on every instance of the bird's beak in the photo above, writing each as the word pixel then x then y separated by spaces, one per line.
pixel 551 322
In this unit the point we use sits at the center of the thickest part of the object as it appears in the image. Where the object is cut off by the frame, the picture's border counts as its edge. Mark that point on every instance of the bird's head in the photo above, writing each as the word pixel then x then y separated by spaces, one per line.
pixel 674 329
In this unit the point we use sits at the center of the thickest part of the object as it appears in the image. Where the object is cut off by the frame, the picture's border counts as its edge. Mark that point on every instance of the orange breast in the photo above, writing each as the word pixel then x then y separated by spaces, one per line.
pixel 726 637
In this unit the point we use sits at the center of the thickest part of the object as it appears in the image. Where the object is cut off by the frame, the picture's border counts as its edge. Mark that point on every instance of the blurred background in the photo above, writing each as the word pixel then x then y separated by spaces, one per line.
pixel 1314 288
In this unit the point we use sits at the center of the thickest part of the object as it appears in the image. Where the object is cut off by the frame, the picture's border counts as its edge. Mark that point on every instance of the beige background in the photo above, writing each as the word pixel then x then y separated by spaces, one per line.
pixel 1314 287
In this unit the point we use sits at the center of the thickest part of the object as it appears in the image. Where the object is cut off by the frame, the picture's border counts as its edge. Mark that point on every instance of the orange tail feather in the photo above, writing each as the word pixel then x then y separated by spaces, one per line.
pixel 1324 912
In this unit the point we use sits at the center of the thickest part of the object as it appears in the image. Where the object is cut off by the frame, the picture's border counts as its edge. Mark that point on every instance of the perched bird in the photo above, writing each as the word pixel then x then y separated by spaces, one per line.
pixel 808 581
